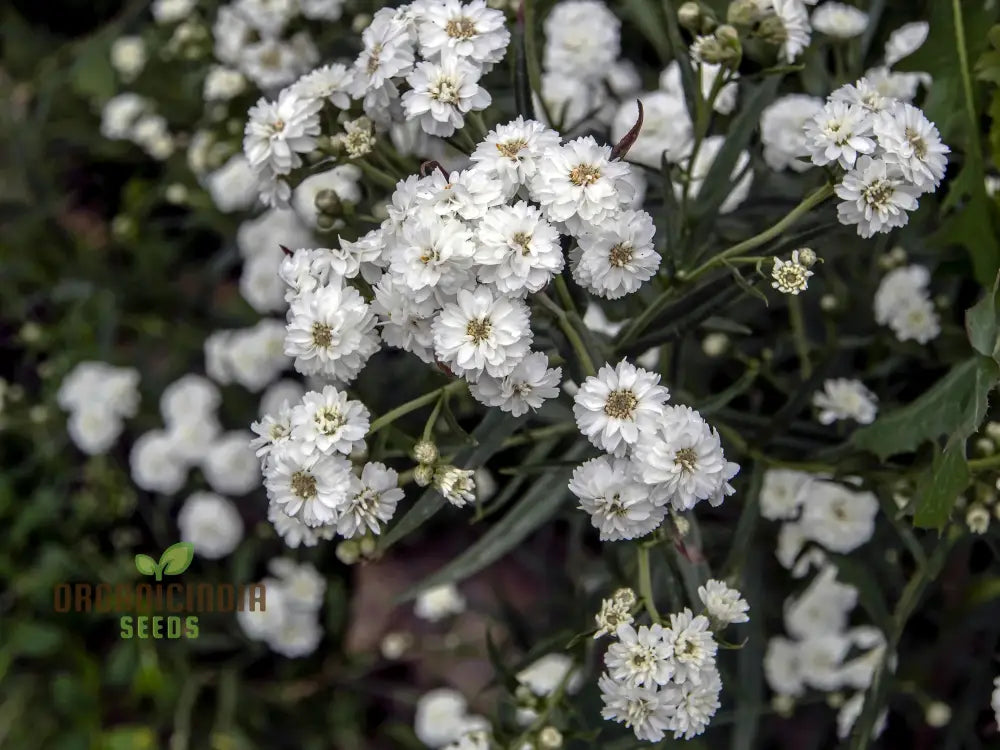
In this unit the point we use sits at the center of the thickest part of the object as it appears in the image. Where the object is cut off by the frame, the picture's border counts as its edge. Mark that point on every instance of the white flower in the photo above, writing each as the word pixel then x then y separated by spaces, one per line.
pixel 233 186
pixel 863 93
pixel 724 604
pixel 694 647
pixel 272 431
pixel 155 467
pixel 211 523
pixel 100 388
pixel 905 40
pixel 640 657
pixel 895 85
pixel 482 333
pixel 725 99
pixel 264 234
pixel 614 612
pixel 995 700
pixel 790 276
pixel 298 635
pixel 839 518
pixel 331 331
pixel 876 197
pixel 666 127
pixel 682 455
pixel 405 316
pixel 611 407
pixel 311 487
pixel 439 602
pixel 441 93
pixel 329 422
pixel 617 256
pixel 795 21
pixel 256 357
pixel 387 53
pixel 839 20
pixel 511 153
pixel 642 709
pixel 231 466
pixel 432 252
pixel 523 390
pixel 903 304
pixel 456 485
pixel 371 501
pixel 842 398
pixel 840 132
pixel 783 666
pixel 171 11
pixel 471 31
pixel 120 114
pixel 698 171
pixel 823 608
pixel 822 657
pixel 783 492
pixel 294 532
pixel 440 717
pixel 912 142
pixel 222 84
pixel 692 706
pixel 619 506
pixel 277 132
pixel 578 180
pixel 850 712
pixel 518 251
pixel 323 10
pixel 193 436
pixel 782 130
pixel 330 82
pixel 280 393
pixel 544 675
pixel 128 56
pixel 189 398
pixel 582 39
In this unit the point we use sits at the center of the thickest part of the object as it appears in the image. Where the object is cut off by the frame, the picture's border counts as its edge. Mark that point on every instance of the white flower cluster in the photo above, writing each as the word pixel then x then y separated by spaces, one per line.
pixel 314 491
pixel 289 624
pixel 98 397
pixel 890 151
pixel 131 117
pixel 661 679
pixel 822 653
pixel 903 303
pixel 443 720
pixel 211 523
pixel 845 398
pixel 193 438
pixel 439 49
pixel 659 457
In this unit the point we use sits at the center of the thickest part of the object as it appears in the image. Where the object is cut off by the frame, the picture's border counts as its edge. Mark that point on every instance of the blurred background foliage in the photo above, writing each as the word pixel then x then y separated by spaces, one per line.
pixel 98 264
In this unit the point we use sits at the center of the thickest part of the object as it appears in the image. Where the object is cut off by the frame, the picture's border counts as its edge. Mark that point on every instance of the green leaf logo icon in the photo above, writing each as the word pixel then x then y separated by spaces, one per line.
pixel 175 560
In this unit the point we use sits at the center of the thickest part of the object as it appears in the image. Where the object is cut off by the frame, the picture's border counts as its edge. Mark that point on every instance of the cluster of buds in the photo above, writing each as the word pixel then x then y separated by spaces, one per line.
pixel 456 485
pixel 615 612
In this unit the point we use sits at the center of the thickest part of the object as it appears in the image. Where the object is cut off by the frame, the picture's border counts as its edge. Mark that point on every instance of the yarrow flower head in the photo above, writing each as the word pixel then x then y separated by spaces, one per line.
pixel 876 197
pixel 842 398
pixel 791 276
pixel 724 605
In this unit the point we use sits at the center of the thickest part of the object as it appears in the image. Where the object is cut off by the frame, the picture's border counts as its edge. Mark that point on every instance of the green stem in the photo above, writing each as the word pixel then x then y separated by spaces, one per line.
pixel 531 55
pixel 799 333
pixel 476 118
pixel 586 363
pixel 963 61
pixel 808 204
pixel 984 464
pixel 703 117
pixel 432 419
pixel 564 296
pixel 647 316
pixel 428 398
pixel 534 436
pixel 645 582
pixel 384 179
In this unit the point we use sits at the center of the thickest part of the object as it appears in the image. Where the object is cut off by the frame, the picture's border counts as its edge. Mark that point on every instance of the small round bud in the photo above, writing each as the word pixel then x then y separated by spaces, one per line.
pixel 328 202
pixel 783 705
pixel 807 256
pixel 835 700
pixel 743 12
pixel 727 35
pixel 689 16
pixel 38 413
pixel 977 519
pixel 772 30
pixel 985 447
pixel 715 344
pixel 550 738
pixel 425 452
pixel 524 696
pixel 937 714
pixel 394 645
pixel 992 430
pixel 366 545
pixel 176 194
pixel 898 255
pixel 828 303
pixel 324 222
pixel 942 302
pixel 360 22
pixel 423 475
pixel 30 332
pixel 348 552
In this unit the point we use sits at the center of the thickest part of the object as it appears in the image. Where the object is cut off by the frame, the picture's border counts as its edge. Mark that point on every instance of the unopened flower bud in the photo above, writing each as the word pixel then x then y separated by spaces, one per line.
pixel 348 552
pixel 744 12
pixel 360 22
pixel 835 699
pixel 425 452
pixel 937 714
pixel 783 705
pixel 524 696
pixel 366 545
pixel 328 202
pixel 828 303
pixel 807 256
pixel 772 30
pixel 324 222
pixel 985 447
pixel 715 344
pixel 977 519
pixel 394 645
pixel 550 738
pixel 423 475
pixel 689 16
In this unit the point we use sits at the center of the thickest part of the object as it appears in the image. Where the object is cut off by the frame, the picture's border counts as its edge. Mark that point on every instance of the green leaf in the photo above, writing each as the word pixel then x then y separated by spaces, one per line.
pixel 489 436
pixel 537 506
pixel 177 558
pixel 92 76
pixel 145 565
pixel 522 83
pixel 941 486
pixel 955 406
pixel 650 24
pixel 982 323
pixel 33 639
